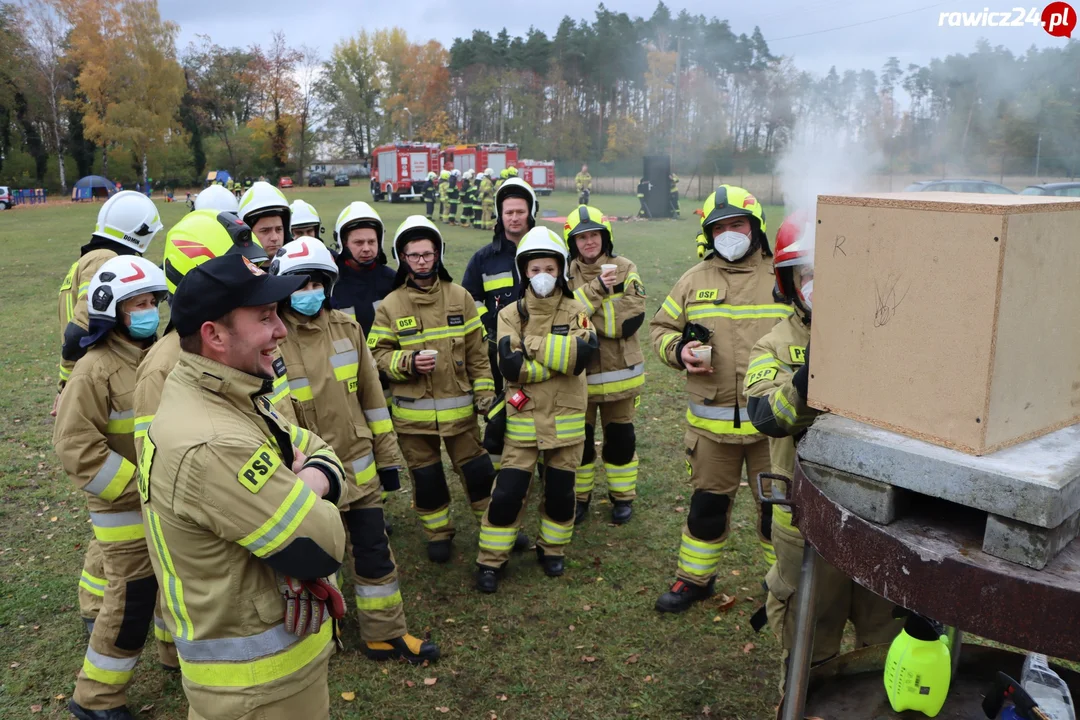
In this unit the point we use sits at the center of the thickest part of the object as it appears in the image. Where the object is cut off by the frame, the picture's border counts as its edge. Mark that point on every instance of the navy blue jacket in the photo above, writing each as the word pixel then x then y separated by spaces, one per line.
pixel 360 289
pixel 492 280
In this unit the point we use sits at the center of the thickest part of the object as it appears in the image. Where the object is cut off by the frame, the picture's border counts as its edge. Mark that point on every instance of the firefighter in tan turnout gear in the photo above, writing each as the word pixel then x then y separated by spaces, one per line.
pixel 336 393
pixel 428 340
pixel 242 525
pixel 545 342
pixel 94 437
pixel 776 384
pixel 126 224
pixel 611 290
pixel 707 325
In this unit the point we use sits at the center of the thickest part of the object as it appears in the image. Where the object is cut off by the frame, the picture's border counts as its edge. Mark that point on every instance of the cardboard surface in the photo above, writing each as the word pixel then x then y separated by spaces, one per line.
pixel 926 316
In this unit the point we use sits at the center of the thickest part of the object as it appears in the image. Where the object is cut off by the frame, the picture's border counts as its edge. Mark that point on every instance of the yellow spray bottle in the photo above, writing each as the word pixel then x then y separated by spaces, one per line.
pixel 918 667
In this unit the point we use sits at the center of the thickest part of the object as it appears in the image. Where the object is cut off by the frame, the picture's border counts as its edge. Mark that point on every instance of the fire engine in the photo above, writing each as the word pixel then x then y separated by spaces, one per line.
pixel 399 171
pixel 540 174
pixel 478 158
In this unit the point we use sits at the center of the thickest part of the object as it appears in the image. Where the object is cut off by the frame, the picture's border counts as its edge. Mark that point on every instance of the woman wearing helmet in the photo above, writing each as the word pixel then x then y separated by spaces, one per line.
pixel 776 400
pixel 94 438
pixel 706 327
pixel 545 342
pixel 364 278
pixel 615 300
pixel 305 220
pixel 336 394
pixel 266 211
pixel 428 340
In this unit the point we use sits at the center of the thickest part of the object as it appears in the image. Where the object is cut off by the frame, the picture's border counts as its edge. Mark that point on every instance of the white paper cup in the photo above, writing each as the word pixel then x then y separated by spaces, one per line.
pixel 432 353
pixel 704 353
pixel 608 267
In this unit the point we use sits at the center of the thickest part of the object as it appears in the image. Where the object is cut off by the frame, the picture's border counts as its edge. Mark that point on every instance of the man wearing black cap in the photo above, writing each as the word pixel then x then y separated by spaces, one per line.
pixel 231 505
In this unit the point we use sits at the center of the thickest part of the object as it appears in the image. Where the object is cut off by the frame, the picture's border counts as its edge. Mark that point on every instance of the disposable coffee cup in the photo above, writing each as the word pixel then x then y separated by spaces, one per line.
pixel 703 353
pixel 431 353
pixel 608 267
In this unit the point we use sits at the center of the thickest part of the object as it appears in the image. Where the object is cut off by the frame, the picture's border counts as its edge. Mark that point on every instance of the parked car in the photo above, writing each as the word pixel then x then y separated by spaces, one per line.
pixel 6 201
pixel 1062 189
pixel 316 180
pixel 341 180
pixel 285 182
pixel 964 186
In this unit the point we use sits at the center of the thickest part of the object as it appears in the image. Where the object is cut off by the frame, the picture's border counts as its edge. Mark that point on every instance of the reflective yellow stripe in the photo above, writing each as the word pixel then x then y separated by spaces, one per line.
pixel 280 390
pixel 782 518
pixel 280 526
pixel 171 587
pixel 93 585
pixel 142 424
pixel 378 421
pixel 765 361
pixel 557 352
pixel 720 427
pixel 346 365
pixel 672 308
pixel 436 520
pixel 622 478
pixel 118 527
pixel 521 429
pixel 113 477
pixel 161 633
pixel 568 426
pixel 585 479
pixel 582 298
pixel 483 385
pixel 108 670
pixel 364 469
pixel 65 374
pixel 665 343
pixel 299 437
pixel 699 558
pixel 769 551
pixel 300 388
pixel 498 281
pixel 782 409
pixel 83 289
pixel 439 333
pixel 534 372
pixel 380 601
pixel 442 416
pixel 120 422
pixel 609 318
pixel 738 312
pixel 497 539
pixel 263 670
pixel 555 534
pixel 394 371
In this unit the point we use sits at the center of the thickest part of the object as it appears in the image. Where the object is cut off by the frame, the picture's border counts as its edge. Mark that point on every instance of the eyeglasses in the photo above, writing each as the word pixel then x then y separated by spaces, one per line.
pixel 420 257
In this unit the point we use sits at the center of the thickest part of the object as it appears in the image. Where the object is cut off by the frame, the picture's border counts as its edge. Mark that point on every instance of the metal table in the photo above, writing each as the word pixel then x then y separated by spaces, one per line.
pixel 930 561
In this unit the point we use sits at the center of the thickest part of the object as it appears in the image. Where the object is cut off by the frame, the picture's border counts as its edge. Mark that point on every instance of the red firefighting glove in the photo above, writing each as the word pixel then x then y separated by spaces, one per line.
pixel 305 601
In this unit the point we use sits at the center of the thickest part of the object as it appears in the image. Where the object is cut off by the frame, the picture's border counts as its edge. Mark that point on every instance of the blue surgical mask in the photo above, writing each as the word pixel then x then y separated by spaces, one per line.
pixel 307 302
pixel 144 323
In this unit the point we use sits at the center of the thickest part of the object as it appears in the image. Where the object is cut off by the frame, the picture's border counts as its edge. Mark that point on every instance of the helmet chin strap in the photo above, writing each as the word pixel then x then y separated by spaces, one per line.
pixel 426 275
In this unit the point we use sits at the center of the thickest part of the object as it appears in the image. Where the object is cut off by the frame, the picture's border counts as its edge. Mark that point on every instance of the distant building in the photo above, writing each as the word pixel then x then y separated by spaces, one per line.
pixel 354 167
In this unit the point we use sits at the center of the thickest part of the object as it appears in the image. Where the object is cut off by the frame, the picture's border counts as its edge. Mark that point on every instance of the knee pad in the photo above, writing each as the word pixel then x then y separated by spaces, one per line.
pixel 508 495
pixel 140 602
pixel 371 554
pixel 431 490
pixel 588 456
pixel 559 497
pixel 620 443
pixel 708 514
pixel 479 476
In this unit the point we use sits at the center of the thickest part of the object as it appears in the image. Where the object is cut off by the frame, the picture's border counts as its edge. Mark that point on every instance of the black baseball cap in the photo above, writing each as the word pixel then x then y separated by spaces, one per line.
pixel 220 285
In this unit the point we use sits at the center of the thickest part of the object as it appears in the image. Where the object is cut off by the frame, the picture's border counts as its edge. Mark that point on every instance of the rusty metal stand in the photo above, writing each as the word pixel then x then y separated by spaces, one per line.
pixel 798 674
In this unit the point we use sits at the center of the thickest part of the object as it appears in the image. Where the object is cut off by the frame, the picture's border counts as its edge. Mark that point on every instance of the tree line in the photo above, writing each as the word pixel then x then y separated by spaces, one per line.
pixel 100 86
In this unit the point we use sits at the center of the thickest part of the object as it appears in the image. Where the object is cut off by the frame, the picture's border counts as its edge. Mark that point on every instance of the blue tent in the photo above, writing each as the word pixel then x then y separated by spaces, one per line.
pixel 217 176
pixel 93 186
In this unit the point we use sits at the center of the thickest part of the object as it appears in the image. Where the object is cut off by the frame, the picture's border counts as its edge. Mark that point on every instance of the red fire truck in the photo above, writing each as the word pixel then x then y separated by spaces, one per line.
pixel 399 171
pixel 538 173
pixel 480 157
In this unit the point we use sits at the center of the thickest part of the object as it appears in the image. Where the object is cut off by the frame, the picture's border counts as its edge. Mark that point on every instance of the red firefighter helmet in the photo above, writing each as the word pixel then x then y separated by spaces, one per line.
pixel 794 256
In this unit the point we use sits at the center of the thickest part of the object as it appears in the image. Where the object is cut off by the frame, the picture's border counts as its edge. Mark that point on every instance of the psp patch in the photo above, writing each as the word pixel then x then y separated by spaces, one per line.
pixel 798 354
pixel 146 461
pixel 279 367
pixel 258 469
pixel 757 376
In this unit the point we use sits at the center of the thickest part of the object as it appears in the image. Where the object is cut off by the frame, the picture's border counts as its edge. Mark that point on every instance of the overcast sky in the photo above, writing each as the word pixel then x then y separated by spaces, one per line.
pixel 907 29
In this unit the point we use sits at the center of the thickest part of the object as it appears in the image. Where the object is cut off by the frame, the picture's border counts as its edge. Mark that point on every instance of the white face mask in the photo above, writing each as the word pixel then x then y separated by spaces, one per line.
pixel 542 284
pixel 806 292
pixel 731 245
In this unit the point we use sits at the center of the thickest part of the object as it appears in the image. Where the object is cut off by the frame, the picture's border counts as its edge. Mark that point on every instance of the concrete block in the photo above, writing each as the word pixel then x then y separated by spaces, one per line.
pixel 1027 544
pixel 869 499
pixel 1035 482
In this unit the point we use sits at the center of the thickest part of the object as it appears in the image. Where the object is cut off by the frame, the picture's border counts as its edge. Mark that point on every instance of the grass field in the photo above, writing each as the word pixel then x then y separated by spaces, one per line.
pixel 587 645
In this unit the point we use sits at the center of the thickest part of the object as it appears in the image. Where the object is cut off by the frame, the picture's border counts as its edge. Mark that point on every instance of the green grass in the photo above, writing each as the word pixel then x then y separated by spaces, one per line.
pixel 525 644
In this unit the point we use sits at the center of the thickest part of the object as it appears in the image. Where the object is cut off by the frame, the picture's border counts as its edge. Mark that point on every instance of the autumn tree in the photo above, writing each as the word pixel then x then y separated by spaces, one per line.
pixel 277 89
pixel 350 87
pixel 223 88
pixel 46 30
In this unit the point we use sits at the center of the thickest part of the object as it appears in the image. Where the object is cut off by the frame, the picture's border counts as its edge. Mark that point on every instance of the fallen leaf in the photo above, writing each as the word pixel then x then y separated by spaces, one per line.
pixel 449 620
pixel 679 509
pixel 579 647
pixel 748 647
pixel 385 671
pixel 648 678
pixel 443 709
pixel 716 619
pixel 61 696
pixel 492 715
pixel 706 711
pixel 410 683
pixel 502 697
pixel 14 665
pixel 736 572
pixel 53 519
pixel 633 659
pixel 35 708
pixel 485 628
pixel 588 658
pixel 348 696
pixel 586 608
pixel 430 681
pixel 571 628
pixel 459 643
pixel 738 627
pixel 146 708
pixel 726 603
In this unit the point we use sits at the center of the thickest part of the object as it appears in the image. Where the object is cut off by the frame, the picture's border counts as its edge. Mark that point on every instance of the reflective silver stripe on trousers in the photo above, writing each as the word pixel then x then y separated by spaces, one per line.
pixel 376 415
pixel 363 463
pixel 110 663
pixel 105 475
pixel 376 591
pixel 718 413
pixel 120 519
pixel 616 375
pixel 345 358
pixel 434 404
pixel 298 383
pixel 268 642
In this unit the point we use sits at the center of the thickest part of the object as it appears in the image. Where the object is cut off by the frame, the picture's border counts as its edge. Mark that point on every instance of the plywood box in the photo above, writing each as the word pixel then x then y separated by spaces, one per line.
pixel 953 318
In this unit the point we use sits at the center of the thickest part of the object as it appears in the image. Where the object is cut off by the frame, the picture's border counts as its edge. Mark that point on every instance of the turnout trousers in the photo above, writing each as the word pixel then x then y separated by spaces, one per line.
pixel 618 455
pixel 310 703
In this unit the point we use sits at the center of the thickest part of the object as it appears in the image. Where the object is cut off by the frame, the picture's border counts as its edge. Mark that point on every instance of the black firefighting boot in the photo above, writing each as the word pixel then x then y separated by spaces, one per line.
pixel 409 648
pixel 621 510
pixel 438 551
pixel 487 578
pixel 117 713
pixel 553 565
pixel 521 542
pixel 682 595
pixel 581 511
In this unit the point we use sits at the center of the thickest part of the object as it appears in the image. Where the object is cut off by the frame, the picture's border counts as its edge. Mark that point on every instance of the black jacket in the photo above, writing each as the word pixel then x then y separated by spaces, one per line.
pixel 360 289
pixel 492 280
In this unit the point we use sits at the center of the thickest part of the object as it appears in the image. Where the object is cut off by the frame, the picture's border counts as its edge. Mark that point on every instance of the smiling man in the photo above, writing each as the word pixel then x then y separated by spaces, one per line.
pixel 242 526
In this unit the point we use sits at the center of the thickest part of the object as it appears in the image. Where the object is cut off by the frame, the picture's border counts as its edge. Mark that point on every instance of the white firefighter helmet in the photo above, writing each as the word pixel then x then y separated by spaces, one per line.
pixel 416 227
pixel 489 172
pixel 120 278
pixel 262 198
pixel 306 255
pixel 468 174
pixel 358 214
pixel 216 197
pixel 304 214
pixel 541 242
pixel 431 175
pixel 455 173
pixel 128 218
pixel 516 187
